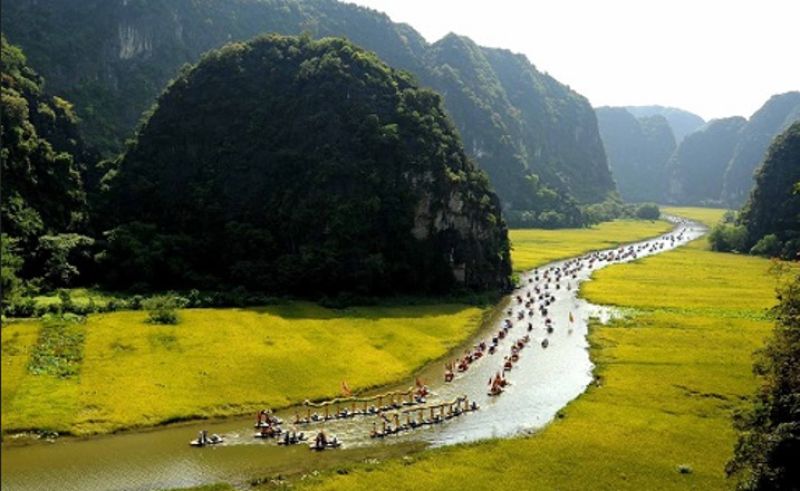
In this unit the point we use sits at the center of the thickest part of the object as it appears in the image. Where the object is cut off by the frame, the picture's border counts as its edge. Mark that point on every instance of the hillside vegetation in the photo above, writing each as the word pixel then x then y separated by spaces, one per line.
pixel 289 165
pixel 536 138
pixel 44 210
pixel 770 221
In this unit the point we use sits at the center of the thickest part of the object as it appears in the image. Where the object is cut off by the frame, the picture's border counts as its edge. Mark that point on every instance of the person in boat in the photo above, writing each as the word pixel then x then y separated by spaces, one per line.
pixel 321 440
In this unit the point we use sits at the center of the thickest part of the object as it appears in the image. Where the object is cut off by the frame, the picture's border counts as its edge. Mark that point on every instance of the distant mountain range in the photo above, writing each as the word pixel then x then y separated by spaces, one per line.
pixel 638 150
pixel 682 122
pixel 535 137
pixel 713 164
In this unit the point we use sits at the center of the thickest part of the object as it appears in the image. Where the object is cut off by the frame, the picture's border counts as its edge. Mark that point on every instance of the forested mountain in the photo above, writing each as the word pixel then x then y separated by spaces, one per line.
pixel 290 165
pixel 772 214
pixel 698 165
pixel 638 150
pixel 44 205
pixel 536 138
pixel 777 114
pixel 682 122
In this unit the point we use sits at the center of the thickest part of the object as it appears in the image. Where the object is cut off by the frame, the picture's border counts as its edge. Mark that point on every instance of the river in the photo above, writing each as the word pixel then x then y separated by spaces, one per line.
pixel 542 382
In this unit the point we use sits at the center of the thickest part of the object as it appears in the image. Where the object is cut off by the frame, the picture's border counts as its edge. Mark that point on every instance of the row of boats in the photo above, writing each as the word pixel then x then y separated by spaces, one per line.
pixel 438 413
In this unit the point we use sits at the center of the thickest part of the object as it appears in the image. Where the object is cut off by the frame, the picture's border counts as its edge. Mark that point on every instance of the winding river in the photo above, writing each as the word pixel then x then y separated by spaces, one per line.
pixel 542 382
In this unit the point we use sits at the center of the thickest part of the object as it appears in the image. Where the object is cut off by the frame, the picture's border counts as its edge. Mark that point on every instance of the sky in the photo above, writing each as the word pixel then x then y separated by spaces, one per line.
pixel 715 58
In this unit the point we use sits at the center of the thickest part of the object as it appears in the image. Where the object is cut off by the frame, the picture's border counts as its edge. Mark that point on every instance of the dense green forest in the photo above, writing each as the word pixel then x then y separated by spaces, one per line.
pixel 638 150
pixel 769 223
pixel 45 211
pixel 289 165
pixel 536 138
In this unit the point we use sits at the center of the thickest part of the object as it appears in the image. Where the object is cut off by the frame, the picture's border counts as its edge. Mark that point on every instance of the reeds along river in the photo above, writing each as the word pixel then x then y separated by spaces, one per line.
pixel 541 382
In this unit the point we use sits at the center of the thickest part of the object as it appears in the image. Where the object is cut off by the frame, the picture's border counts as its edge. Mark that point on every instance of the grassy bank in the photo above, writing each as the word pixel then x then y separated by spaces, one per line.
pixel 669 377
pixel 232 361
pixel 534 247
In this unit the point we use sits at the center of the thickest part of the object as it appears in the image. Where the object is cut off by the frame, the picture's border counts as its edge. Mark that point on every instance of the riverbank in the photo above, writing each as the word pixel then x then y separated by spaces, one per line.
pixel 669 376
pixel 226 362
pixel 535 247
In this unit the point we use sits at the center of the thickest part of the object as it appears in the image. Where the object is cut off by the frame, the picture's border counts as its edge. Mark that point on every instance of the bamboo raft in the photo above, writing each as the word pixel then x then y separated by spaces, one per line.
pixel 437 413
pixel 350 407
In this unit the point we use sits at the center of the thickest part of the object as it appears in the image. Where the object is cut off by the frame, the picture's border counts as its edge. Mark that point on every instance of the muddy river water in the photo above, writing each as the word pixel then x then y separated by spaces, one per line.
pixel 541 383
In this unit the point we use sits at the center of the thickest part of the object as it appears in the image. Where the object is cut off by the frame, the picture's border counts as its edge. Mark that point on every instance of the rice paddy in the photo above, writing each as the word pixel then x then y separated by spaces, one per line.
pixel 220 362
pixel 534 247
pixel 669 377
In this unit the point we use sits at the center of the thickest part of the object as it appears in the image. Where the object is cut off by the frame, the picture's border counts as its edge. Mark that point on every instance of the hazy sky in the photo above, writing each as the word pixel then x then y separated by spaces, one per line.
pixel 716 58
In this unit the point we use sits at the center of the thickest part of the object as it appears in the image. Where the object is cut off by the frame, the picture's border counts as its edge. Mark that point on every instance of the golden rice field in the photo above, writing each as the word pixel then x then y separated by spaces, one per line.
pixel 233 361
pixel 534 247
pixel 670 374
pixel 706 216
pixel 221 362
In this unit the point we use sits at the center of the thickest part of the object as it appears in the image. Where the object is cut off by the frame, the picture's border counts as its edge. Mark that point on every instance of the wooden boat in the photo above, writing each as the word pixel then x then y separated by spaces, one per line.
pixel 292 441
pixel 331 444
pixel 202 442
pixel 495 391
pixel 268 433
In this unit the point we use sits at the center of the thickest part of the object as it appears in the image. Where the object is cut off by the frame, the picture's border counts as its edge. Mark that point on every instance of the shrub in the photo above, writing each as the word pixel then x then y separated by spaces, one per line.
pixel 648 211
pixel 769 246
pixel 726 237
pixel 163 309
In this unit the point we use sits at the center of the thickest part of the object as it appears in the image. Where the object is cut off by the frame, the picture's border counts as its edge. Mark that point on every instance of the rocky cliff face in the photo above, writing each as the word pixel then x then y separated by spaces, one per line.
pixel 303 167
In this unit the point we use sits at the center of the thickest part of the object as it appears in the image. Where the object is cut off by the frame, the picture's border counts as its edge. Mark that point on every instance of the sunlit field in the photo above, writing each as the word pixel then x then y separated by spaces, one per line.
pixel 222 362
pixel 534 247
pixel 669 376
pixel 707 216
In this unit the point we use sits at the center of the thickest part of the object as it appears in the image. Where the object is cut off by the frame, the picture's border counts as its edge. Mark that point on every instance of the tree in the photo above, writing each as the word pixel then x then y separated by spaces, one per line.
pixel 648 211
pixel 12 286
